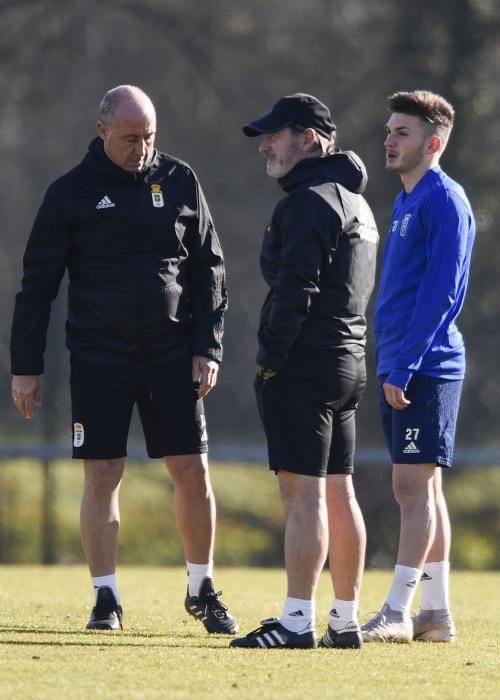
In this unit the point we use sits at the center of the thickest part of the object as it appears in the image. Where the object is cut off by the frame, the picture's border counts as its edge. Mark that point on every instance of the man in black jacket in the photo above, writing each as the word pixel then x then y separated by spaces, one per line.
pixel 146 303
pixel 318 258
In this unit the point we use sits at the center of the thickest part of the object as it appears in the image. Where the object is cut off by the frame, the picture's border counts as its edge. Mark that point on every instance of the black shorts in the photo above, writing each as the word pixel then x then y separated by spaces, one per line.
pixel 103 397
pixel 308 411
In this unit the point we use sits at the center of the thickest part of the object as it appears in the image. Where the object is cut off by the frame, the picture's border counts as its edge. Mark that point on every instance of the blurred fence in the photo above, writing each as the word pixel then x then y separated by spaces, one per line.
pixel 365 456
pixel 40 492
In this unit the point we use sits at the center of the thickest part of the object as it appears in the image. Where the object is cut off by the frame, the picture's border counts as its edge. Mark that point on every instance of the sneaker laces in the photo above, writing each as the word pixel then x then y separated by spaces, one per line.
pixel 264 626
pixel 211 600
pixel 369 616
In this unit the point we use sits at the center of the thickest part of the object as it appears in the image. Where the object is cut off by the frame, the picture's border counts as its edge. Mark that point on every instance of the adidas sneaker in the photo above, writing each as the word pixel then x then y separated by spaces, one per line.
pixel 347 638
pixel 207 608
pixel 106 614
pixel 272 635
pixel 433 626
pixel 388 626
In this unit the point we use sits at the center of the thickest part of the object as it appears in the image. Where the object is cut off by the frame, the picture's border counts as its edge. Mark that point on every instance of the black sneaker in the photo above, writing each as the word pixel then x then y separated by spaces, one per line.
pixel 272 635
pixel 207 607
pixel 343 639
pixel 107 614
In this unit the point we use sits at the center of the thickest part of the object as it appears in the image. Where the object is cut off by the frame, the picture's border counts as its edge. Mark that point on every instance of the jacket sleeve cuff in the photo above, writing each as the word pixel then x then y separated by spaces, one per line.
pixel 400 378
pixel 19 370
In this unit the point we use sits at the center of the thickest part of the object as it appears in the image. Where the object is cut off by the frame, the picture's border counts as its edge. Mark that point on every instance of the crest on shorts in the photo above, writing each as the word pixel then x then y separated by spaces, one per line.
pixel 157 195
pixel 78 435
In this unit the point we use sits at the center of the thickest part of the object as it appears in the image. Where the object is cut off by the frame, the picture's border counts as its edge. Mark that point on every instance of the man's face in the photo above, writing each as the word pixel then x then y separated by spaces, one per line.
pixel 282 149
pixel 406 144
pixel 129 137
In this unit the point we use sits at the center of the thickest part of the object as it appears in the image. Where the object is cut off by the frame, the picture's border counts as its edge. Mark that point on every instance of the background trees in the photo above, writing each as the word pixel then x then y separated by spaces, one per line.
pixel 210 66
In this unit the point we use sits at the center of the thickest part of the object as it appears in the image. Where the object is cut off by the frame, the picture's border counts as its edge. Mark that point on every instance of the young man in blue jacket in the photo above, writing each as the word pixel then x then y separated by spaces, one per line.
pixel 421 358
pixel 146 304
pixel 318 259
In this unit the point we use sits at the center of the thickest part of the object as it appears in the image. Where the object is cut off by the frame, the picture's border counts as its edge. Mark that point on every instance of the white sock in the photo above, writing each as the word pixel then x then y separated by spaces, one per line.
pixel 403 589
pixel 109 581
pixel 196 575
pixel 435 586
pixel 298 615
pixel 343 613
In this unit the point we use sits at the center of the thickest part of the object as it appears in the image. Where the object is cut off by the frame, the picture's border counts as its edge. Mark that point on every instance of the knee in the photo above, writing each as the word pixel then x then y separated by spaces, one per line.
pixel 340 491
pixel 102 477
pixel 188 470
pixel 410 492
pixel 302 494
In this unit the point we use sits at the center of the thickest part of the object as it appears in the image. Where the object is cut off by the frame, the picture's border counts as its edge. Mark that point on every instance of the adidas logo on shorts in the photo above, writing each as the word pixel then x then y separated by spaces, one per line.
pixel 411 449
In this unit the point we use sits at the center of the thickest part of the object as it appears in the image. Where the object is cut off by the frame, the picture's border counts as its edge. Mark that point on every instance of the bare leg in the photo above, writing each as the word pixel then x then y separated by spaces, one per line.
pixel 100 513
pixel 194 505
pixel 413 486
pixel 435 587
pixel 306 532
pixel 440 548
pixel 347 536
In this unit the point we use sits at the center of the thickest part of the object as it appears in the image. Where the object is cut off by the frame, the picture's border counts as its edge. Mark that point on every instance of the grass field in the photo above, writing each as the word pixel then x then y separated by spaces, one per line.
pixel 46 653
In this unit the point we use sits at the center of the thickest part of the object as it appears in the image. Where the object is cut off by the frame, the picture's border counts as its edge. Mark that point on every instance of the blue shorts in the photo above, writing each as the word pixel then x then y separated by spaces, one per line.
pixel 423 433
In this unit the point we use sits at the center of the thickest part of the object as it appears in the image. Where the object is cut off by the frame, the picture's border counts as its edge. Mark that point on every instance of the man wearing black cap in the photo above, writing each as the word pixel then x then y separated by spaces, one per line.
pixel 318 258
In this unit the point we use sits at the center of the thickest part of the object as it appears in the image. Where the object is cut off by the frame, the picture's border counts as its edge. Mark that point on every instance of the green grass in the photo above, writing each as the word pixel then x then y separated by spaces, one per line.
pixel 46 653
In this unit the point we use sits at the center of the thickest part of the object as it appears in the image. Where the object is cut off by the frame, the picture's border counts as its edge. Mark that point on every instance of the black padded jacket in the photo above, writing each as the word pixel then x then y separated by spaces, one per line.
pixel 318 258
pixel 145 267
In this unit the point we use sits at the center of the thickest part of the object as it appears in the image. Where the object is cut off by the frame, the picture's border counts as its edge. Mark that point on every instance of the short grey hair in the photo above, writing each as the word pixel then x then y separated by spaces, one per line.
pixel 325 146
pixel 113 97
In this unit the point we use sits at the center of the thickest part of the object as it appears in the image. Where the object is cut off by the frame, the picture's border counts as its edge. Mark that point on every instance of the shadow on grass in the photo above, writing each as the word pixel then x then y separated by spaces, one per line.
pixel 87 638
pixel 101 646
pixel 89 633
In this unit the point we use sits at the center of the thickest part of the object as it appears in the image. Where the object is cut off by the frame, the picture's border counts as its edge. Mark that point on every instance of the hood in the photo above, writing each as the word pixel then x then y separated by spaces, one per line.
pixel 343 167
pixel 97 159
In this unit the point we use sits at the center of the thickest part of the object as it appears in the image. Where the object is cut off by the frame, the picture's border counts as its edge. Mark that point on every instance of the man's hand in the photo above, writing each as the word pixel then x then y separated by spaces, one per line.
pixel 205 372
pixel 395 397
pixel 26 392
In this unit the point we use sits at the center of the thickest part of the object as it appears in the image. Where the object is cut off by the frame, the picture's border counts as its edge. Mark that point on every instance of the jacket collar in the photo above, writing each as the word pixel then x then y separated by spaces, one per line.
pixel 343 167
pixel 97 159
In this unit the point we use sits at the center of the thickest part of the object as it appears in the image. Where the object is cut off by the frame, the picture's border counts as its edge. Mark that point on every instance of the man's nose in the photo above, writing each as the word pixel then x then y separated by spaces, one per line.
pixel 141 148
pixel 264 145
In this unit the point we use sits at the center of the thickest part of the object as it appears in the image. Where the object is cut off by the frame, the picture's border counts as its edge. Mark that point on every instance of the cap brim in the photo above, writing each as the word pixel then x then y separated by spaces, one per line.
pixel 266 125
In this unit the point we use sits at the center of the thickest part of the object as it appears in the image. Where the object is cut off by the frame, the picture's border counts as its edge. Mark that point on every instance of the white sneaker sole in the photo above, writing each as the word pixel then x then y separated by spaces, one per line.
pixel 446 636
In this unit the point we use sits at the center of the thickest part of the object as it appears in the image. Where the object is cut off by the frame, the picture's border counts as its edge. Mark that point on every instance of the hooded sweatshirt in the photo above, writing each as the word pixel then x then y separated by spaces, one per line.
pixel 318 258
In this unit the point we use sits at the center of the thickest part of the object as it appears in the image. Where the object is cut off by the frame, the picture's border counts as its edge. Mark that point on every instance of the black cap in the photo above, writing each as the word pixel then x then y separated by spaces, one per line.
pixel 300 109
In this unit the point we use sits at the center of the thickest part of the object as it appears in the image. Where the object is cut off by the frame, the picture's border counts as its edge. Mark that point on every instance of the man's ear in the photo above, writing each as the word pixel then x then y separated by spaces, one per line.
pixel 435 144
pixel 102 129
pixel 309 136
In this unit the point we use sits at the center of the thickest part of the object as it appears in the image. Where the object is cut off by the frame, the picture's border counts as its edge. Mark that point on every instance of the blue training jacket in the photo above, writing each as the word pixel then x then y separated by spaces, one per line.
pixel 423 283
